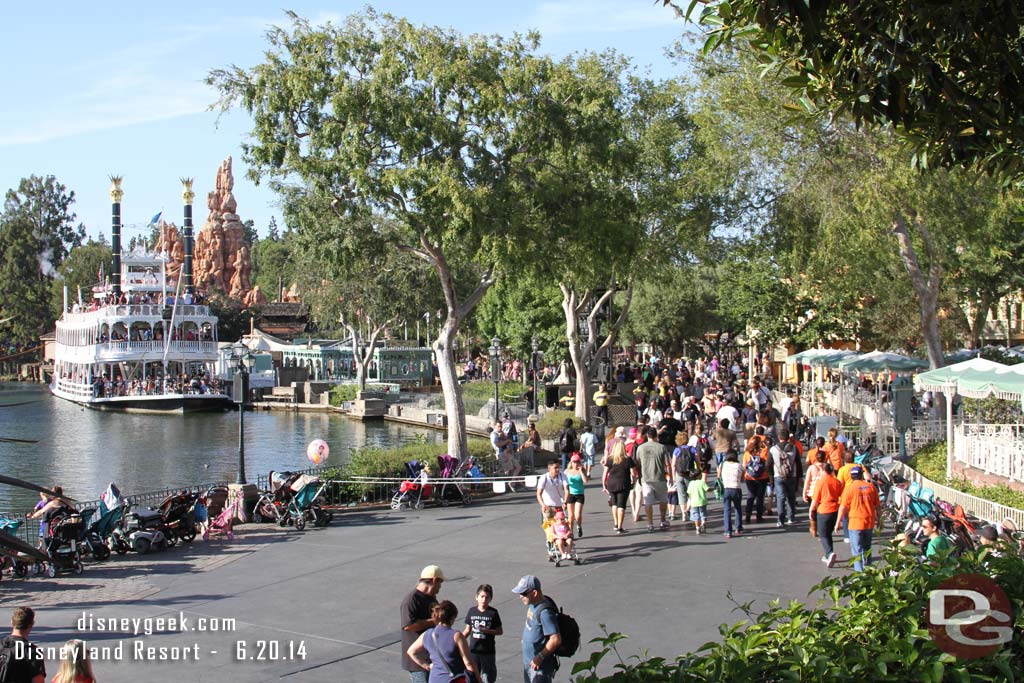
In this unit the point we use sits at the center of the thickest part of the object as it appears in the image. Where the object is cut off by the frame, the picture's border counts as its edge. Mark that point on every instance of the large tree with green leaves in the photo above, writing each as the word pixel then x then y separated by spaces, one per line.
pixel 79 272
pixel 439 132
pixel 949 77
pixel 37 230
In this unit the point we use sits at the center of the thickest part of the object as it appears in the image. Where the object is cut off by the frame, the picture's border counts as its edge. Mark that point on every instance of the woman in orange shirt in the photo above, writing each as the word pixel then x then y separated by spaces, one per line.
pixel 834 449
pixel 825 510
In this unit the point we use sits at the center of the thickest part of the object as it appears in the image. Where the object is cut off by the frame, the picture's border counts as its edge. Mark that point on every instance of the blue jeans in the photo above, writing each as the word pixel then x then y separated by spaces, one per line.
pixel 860 546
pixel 719 459
pixel 732 501
pixel 531 676
pixel 418 676
pixel 785 494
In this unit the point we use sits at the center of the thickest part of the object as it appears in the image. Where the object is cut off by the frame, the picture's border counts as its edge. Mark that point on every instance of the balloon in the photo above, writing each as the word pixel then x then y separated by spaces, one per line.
pixel 317 451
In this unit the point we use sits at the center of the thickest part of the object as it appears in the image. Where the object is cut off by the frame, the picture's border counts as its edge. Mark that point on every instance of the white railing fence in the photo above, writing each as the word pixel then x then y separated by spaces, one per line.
pixel 996 449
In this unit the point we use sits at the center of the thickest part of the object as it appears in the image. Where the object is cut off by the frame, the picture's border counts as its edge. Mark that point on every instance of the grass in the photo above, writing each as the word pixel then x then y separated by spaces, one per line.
pixel 931 462
pixel 553 422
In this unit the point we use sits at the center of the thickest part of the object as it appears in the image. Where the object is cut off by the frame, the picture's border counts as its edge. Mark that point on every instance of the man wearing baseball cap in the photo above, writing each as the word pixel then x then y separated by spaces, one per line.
pixel 415 617
pixel 860 504
pixel 540 634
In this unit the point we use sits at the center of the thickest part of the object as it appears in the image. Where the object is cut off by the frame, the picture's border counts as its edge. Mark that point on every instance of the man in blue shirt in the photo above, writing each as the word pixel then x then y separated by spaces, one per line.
pixel 540 633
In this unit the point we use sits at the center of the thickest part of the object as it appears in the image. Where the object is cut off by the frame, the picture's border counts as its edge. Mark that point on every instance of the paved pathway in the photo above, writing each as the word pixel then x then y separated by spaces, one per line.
pixel 324 603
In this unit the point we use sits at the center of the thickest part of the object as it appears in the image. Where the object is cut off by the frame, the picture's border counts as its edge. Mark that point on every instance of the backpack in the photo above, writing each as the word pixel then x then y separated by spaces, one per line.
pixel 706 451
pixel 686 465
pixel 7 656
pixel 755 467
pixel 784 460
pixel 567 442
pixel 567 628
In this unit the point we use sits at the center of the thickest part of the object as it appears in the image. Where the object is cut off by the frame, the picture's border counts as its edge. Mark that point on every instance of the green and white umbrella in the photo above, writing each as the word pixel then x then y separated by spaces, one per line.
pixel 881 361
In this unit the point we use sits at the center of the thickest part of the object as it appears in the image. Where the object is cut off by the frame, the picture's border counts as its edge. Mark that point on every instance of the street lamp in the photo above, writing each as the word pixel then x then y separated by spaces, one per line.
pixel 244 360
pixel 533 366
pixel 495 354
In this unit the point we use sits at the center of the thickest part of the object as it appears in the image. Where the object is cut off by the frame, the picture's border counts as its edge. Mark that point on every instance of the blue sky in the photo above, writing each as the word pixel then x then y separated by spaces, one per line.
pixel 93 90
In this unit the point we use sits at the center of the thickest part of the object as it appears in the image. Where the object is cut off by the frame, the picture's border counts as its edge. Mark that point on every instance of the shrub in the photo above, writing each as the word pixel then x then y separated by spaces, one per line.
pixel 553 422
pixel 931 462
pixel 866 626
pixel 347 392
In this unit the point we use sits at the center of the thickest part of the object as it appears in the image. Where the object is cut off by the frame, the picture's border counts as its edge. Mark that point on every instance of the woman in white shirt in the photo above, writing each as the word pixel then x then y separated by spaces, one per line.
pixel 731 474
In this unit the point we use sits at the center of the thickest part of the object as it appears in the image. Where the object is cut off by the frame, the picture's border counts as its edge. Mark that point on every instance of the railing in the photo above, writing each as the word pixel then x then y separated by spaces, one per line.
pixel 180 346
pixel 143 310
pixel 974 506
pixel 996 449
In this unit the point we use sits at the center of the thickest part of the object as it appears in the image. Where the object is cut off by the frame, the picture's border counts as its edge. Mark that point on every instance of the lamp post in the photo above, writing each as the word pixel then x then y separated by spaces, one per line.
pixel 495 354
pixel 244 360
pixel 533 366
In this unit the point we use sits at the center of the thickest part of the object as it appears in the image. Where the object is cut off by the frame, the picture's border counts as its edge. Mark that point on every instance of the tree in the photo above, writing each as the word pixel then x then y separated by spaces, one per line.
pixel 249 233
pixel 79 273
pixel 274 264
pixel 352 277
pixel 37 229
pixel 946 76
pixel 438 132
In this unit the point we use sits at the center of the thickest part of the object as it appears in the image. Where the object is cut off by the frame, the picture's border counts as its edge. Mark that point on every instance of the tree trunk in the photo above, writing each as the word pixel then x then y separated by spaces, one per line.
pixel 583 356
pixel 454 407
pixel 362 360
pixel 926 286
pixel 978 319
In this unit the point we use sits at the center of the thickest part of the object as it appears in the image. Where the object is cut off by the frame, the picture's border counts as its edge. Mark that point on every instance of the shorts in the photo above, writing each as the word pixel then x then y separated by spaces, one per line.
pixel 575 498
pixel 620 498
pixel 656 492
pixel 699 514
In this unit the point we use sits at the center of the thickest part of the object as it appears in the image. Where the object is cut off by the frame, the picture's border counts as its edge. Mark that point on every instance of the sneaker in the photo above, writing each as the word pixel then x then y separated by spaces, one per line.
pixel 664 525
pixel 620 530
pixel 846 540
pixel 737 532
pixel 790 522
pixel 671 517
pixel 831 560
pixel 703 528
pixel 650 528
pixel 779 525
pixel 579 531
pixel 727 535
pixel 824 558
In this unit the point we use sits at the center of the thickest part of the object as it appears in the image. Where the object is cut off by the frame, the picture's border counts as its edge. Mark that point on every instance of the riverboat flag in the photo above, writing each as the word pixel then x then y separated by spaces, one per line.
pixel 154 219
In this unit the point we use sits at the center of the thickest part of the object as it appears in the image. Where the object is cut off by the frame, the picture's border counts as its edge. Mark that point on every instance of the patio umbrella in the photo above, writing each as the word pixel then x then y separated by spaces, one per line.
pixel 881 361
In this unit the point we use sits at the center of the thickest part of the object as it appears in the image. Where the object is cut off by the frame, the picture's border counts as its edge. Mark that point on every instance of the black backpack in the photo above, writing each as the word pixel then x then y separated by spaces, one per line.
pixel 567 441
pixel 567 628
pixel 686 465
pixel 7 657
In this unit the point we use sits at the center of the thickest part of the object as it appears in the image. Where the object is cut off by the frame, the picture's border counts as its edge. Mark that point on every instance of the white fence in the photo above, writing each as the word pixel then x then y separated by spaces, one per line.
pixel 996 449
pixel 974 506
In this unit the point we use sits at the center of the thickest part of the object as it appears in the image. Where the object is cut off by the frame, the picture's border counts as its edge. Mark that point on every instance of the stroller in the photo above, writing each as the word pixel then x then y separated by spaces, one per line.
pixel 272 505
pixel 304 506
pixel 449 492
pixel 224 522
pixel 553 516
pixel 412 492
pixel 177 511
pixel 63 534
pixel 15 553
pixel 107 518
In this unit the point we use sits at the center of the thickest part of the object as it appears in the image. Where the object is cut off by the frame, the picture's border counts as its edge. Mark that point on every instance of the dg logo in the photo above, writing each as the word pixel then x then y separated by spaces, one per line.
pixel 969 616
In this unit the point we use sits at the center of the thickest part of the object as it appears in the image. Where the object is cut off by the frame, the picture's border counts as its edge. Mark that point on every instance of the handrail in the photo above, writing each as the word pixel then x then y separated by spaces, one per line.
pixel 986 510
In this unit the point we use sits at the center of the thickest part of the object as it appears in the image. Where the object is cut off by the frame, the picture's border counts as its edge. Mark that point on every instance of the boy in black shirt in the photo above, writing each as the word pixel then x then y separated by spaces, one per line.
pixel 482 624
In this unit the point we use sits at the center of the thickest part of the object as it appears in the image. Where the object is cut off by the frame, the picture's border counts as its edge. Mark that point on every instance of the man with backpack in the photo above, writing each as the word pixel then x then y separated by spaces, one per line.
pixel 548 633
pixel 568 443
pixel 786 464
pixel 20 660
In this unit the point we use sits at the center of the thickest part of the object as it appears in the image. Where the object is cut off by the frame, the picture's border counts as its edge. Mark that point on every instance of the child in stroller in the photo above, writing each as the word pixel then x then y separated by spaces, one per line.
pixel 558 536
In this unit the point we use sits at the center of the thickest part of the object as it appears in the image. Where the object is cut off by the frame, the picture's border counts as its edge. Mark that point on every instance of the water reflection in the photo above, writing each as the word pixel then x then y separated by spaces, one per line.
pixel 83 449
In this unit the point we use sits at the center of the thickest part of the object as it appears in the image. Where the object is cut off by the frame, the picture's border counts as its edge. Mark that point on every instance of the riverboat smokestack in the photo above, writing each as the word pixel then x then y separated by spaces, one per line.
pixel 116 194
pixel 188 196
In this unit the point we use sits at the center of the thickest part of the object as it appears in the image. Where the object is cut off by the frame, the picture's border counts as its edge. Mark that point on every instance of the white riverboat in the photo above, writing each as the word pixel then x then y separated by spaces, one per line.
pixel 139 344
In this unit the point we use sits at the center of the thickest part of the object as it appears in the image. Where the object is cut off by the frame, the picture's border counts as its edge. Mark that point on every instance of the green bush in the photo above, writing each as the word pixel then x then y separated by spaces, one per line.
pixel 865 626
pixel 390 462
pixel 347 392
pixel 931 462
pixel 482 390
pixel 553 422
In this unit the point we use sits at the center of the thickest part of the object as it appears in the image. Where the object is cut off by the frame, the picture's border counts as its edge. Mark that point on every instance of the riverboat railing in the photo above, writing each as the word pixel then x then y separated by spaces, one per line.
pixel 142 311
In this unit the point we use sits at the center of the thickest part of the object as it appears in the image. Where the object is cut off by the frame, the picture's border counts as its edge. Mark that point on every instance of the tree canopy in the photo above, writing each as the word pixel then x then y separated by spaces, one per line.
pixel 948 76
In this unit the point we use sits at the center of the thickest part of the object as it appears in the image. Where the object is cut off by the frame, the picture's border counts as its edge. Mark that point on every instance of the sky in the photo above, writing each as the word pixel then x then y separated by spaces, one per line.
pixel 93 90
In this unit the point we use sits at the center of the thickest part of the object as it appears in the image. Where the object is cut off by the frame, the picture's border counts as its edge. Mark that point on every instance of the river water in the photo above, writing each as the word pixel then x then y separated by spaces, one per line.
pixel 83 450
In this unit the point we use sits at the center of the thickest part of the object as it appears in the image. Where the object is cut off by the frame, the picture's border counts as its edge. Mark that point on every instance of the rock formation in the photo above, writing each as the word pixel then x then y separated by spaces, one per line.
pixel 221 259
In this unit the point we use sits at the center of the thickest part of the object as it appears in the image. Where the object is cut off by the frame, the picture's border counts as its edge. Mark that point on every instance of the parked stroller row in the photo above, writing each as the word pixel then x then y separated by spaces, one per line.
pixel 115 525
pixel 422 487
pixel 293 500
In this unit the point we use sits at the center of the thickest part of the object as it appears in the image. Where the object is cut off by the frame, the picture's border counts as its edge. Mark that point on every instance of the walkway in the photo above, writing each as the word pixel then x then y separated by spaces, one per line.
pixel 337 590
